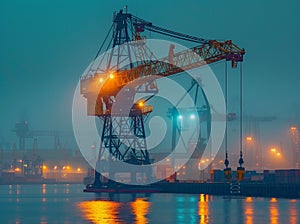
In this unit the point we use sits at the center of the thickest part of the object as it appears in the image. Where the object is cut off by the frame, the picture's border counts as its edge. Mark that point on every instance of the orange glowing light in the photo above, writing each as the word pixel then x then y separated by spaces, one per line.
pixel 273 149
pixel 44 167
pixel 141 104
pixel 111 75
pixel 249 138
pixel 101 80
pixel 278 153
pixel 78 169
pixel 293 128
pixel 55 167
pixel 18 169
pixel 68 167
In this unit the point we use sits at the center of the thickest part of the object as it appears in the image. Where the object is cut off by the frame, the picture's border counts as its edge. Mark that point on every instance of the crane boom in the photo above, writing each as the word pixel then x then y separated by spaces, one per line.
pixel 184 60
pixel 112 81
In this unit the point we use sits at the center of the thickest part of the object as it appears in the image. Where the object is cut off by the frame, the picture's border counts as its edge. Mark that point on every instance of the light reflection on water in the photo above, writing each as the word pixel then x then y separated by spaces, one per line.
pixel 293 213
pixel 203 210
pixel 273 211
pixel 68 204
pixel 249 210
pixel 105 212
pixel 140 209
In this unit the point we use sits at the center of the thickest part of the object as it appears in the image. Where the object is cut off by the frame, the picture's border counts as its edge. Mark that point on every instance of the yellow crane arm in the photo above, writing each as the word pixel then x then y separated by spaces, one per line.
pixel 188 59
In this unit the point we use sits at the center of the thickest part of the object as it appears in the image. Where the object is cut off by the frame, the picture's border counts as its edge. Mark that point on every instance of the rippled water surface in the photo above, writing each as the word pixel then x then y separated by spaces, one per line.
pixel 68 204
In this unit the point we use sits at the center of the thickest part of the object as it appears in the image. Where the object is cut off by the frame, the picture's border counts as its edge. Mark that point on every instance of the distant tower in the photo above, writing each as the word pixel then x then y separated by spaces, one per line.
pixel 22 131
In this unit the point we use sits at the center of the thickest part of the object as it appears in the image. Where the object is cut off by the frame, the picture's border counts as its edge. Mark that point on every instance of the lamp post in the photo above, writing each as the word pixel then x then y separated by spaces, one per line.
pixel 276 155
pixel 249 153
pixel 294 133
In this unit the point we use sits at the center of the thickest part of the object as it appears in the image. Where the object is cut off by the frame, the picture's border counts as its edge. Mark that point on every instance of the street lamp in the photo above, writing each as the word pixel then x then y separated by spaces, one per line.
pixel 251 152
pixel 294 134
pixel 275 152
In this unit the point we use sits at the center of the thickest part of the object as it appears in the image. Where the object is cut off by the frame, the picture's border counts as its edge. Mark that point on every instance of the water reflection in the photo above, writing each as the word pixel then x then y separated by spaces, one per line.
pixel 186 209
pixel 18 191
pixel 100 211
pixel 203 209
pixel 116 209
pixel 55 204
pixel 249 210
pixel 172 208
pixel 67 188
pixel 226 210
pixel 44 189
pixel 273 208
pixel 44 192
pixel 293 212
pixel 140 208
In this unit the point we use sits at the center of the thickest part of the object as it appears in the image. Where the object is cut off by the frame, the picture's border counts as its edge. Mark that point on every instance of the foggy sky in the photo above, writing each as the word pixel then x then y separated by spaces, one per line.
pixel 46 45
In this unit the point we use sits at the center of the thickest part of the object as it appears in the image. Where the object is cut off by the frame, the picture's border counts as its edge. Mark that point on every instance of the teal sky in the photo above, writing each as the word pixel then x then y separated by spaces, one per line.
pixel 46 45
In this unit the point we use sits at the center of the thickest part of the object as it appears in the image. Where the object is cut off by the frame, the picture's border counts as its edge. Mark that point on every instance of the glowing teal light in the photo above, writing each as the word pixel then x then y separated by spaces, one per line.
pixel 192 116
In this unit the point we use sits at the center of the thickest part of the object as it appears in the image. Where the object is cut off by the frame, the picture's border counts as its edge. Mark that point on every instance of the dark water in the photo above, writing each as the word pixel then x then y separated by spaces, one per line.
pixel 68 204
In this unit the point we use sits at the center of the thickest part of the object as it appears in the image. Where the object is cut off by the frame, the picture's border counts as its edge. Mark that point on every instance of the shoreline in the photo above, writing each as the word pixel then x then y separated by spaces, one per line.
pixel 267 190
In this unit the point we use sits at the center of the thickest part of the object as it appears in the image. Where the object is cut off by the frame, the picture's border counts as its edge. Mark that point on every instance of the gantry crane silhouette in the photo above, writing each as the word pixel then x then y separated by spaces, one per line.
pixel 123 132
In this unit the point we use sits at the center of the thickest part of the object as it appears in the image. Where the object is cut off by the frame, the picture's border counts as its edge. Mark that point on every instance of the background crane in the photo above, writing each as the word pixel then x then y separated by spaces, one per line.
pixel 22 130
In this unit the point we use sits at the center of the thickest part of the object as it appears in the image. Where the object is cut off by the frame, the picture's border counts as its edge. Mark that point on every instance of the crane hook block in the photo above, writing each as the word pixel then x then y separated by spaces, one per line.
pixel 240 173
pixel 228 173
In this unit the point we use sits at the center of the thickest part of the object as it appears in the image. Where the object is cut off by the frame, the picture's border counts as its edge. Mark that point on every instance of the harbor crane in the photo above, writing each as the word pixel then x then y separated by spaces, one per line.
pixel 107 76
pixel 22 130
